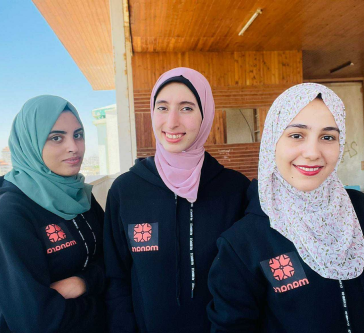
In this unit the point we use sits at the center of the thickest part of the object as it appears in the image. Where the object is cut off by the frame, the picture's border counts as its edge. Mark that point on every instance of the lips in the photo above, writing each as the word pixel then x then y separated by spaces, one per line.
pixel 73 160
pixel 173 137
pixel 308 170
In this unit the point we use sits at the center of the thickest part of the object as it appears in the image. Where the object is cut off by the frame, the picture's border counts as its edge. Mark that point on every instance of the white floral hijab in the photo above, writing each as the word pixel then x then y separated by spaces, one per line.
pixel 322 223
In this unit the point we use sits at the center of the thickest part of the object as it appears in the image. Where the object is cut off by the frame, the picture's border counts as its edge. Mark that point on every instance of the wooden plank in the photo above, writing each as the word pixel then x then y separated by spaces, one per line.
pixel 262 112
pixel 233 156
pixel 223 69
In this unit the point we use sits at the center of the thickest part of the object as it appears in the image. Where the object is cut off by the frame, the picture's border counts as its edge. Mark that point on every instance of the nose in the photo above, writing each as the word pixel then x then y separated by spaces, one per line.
pixel 311 150
pixel 72 146
pixel 173 119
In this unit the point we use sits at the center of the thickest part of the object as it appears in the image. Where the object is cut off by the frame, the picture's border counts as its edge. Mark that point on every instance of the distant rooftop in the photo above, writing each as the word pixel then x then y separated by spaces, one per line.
pixel 100 113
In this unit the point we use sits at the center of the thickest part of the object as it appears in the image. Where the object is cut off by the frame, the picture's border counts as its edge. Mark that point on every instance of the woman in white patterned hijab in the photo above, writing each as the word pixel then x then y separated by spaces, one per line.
pixel 294 263
pixel 301 192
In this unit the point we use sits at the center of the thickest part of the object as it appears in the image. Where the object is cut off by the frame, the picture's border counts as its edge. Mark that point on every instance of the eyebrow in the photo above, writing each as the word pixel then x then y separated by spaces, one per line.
pixel 187 102
pixel 329 128
pixel 183 102
pixel 63 132
pixel 161 102
pixel 297 126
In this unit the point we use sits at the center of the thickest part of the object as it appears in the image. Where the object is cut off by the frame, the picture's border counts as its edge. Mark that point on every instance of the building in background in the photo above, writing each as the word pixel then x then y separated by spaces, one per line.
pixel 107 137
pixel 90 166
pixel 5 161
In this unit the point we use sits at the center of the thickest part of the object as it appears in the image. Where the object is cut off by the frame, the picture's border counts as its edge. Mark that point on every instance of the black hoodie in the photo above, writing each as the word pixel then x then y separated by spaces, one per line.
pixel 253 293
pixel 38 248
pixel 147 247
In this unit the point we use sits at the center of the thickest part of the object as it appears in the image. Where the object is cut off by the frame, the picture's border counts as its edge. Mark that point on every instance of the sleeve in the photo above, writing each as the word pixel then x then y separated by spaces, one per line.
pixel 118 261
pixel 27 303
pixel 237 294
pixel 94 274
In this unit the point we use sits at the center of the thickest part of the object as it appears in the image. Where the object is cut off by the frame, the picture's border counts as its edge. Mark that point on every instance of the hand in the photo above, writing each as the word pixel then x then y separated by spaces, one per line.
pixel 71 287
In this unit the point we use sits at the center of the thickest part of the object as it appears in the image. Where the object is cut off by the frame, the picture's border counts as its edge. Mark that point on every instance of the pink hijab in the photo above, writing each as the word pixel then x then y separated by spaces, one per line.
pixel 181 172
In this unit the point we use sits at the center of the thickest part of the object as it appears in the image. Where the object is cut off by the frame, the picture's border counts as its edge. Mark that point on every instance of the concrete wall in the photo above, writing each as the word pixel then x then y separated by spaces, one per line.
pixel 237 128
pixel 350 171
pixel 101 185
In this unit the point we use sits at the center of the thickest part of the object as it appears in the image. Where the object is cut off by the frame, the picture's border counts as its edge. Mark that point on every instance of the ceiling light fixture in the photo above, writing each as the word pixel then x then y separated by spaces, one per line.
pixel 247 25
pixel 349 63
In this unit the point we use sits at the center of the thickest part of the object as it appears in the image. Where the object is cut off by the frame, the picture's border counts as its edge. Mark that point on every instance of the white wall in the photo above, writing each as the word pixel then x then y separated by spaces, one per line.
pixel 101 185
pixel 237 129
pixel 350 171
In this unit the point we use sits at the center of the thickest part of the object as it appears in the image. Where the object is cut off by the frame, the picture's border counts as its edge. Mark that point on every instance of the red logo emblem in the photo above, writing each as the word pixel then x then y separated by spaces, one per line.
pixel 281 267
pixel 142 232
pixel 55 233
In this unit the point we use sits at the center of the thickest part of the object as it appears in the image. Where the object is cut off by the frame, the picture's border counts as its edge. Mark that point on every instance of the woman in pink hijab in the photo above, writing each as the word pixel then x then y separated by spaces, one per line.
pixel 163 216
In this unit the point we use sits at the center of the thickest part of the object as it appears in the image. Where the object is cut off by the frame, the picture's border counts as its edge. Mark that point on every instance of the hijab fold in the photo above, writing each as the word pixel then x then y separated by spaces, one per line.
pixel 322 223
pixel 64 196
pixel 181 172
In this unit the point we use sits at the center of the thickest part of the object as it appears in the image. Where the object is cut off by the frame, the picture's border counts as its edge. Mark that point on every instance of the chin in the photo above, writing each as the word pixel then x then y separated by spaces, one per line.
pixel 307 187
pixel 67 173
pixel 172 149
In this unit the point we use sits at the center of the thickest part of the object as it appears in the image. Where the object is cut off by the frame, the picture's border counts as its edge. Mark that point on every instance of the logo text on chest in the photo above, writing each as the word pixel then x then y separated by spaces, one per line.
pixel 55 233
pixel 143 237
pixel 284 272
pixel 61 247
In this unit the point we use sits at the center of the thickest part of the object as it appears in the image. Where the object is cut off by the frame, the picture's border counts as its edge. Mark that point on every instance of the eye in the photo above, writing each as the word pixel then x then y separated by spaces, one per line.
pixel 56 138
pixel 161 108
pixel 187 108
pixel 296 136
pixel 328 138
pixel 78 135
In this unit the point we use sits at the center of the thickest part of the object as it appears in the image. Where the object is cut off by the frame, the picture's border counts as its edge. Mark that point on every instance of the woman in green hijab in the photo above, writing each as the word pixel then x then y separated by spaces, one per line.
pixel 51 263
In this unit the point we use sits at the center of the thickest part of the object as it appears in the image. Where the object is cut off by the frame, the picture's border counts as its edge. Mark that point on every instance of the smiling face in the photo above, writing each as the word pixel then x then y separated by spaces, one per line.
pixel 176 118
pixel 65 146
pixel 308 150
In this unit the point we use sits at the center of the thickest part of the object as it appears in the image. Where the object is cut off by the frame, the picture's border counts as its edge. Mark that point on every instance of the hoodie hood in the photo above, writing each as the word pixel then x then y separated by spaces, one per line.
pixel 253 199
pixel 146 169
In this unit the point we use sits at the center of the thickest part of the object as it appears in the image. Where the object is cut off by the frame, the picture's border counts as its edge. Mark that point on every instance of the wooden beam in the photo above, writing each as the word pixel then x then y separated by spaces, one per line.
pixel 333 80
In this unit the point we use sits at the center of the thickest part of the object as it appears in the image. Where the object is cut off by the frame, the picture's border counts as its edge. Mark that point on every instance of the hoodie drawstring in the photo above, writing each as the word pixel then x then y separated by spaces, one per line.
pixel 178 257
pixel 192 257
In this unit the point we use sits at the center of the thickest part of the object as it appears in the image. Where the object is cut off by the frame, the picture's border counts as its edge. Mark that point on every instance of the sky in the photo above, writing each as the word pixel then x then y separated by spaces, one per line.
pixel 34 62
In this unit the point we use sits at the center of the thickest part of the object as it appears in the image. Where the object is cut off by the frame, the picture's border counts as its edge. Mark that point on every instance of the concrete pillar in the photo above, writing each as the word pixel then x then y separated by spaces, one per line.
pixel 123 84
pixel 102 145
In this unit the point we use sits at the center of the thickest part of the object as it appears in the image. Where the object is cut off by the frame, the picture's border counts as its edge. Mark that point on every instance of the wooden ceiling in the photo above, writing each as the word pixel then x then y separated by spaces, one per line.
pixel 83 27
pixel 330 32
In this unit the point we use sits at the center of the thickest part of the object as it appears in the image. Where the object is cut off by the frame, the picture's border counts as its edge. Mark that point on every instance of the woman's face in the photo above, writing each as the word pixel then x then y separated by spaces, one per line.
pixel 177 117
pixel 65 146
pixel 308 150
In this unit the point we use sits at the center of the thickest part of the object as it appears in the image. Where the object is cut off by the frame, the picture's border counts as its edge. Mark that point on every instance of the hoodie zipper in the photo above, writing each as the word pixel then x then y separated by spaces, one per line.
pixel 346 311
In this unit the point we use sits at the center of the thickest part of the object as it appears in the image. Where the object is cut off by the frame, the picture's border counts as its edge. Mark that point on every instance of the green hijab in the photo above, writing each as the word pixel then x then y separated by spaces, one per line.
pixel 64 196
